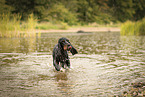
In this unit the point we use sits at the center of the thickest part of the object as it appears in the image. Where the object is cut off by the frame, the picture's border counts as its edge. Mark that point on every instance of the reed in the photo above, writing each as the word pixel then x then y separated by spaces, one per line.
pixel 29 26
pixel 133 28
pixel 10 25
pixel 142 27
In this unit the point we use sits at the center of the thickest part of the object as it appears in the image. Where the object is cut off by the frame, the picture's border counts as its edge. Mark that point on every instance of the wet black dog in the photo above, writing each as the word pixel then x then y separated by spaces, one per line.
pixel 60 54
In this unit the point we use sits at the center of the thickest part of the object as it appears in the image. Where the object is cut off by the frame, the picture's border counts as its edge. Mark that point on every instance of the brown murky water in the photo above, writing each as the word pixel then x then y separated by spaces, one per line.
pixel 106 65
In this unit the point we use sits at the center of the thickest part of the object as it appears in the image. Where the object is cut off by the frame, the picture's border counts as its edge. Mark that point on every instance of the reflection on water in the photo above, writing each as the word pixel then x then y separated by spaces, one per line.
pixel 106 65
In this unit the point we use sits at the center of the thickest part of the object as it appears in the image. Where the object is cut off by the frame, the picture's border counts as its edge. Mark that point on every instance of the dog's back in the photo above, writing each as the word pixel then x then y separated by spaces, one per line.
pixel 55 49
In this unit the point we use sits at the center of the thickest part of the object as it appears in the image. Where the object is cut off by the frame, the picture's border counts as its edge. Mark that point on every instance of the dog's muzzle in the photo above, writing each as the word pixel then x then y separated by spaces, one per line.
pixel 69 47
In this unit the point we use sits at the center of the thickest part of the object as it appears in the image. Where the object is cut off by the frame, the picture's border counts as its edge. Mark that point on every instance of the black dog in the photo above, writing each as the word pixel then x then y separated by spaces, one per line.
pixel 60 53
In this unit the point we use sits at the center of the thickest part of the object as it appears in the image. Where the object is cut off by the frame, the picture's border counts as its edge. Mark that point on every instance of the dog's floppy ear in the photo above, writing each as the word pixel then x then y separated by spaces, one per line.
pixel 73 50
pixel 59 44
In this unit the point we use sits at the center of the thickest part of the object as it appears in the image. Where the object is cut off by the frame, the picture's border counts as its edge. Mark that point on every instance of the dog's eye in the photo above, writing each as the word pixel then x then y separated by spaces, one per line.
pixel 63 41
pixel 67 40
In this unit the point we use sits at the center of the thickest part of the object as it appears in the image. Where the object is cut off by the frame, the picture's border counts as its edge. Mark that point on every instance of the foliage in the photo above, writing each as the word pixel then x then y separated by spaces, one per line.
pixel 139 7
pixel 133 28
pixel 4 9
pixel 124 10
pixel 92 11
pixel 10 25
pixel 22 7
pixel 60 13
pixel 75 12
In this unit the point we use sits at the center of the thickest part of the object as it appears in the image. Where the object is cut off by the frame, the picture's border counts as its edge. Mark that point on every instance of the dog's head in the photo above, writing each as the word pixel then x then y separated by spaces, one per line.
pixel 66 45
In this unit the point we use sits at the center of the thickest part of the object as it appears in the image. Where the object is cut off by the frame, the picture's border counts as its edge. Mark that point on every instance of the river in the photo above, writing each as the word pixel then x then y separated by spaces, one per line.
pixel 106 65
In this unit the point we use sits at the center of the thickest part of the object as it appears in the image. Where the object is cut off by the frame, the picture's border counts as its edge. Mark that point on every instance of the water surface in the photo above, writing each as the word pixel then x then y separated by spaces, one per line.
pixel 106 65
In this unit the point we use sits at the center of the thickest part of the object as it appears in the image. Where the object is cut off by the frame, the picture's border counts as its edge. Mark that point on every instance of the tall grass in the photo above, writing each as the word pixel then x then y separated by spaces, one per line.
pixel 133 28
pixel 29 26
pixel 10 25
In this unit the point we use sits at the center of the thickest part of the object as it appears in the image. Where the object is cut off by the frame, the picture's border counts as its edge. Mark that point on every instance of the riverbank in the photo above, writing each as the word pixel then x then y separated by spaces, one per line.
pixel 136 90
pixel 31 33
pixel 85 29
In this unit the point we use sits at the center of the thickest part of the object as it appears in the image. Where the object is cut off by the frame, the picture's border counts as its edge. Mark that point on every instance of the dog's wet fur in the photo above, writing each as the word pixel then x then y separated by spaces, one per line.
pixel 60 54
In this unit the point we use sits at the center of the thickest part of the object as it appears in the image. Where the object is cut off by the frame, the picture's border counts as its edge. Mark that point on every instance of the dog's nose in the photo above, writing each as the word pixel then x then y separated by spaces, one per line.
pixel 69 47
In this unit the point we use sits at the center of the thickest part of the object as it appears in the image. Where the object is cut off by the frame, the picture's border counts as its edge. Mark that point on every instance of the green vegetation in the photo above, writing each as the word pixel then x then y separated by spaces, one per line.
pixel 49 25
pixel 75 12
pixel 9 24
pixel 12 26
pixel 133 28
pixel 25 15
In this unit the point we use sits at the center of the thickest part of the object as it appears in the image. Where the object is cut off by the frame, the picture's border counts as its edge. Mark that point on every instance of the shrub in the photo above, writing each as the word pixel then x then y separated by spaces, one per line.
pixel 59 13
pixel 133 28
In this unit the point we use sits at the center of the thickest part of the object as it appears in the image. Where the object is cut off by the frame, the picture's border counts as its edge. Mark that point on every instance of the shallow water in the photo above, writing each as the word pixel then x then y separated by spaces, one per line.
pixel 106 65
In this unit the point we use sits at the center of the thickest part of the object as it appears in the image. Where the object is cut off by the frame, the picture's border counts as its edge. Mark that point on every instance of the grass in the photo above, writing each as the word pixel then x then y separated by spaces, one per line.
pixel 7 25
pixel 49 25
pixel 28 27
pixel 133 28
pixel 12 26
